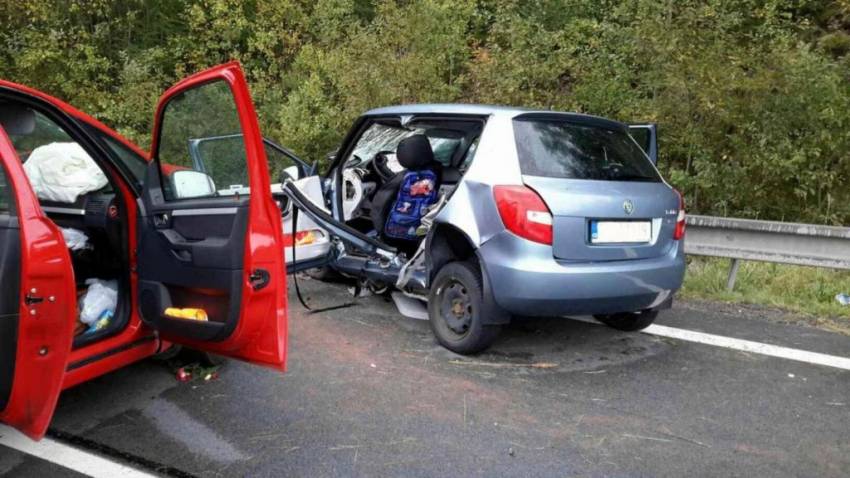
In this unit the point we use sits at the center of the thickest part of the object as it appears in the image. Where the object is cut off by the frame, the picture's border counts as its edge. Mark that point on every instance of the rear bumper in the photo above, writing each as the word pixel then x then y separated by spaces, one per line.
pixel 526 280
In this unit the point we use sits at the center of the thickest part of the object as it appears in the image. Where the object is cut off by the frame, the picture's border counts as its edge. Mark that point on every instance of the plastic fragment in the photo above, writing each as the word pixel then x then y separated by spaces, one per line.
pixel 99 301
pixel 183 375
pixel 187 313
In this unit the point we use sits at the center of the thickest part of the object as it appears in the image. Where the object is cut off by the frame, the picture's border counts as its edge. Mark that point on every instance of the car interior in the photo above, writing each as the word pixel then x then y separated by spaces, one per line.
pixel 79 196
pixel 386 149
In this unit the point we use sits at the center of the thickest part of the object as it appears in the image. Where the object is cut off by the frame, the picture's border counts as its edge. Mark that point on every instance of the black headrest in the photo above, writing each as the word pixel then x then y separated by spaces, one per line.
pixel 414 152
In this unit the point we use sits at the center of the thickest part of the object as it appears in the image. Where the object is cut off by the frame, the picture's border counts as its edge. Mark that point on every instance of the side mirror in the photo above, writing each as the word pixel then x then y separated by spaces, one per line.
pixel 290 172
pixel 646 136
pixel 17 120
pixel 188 184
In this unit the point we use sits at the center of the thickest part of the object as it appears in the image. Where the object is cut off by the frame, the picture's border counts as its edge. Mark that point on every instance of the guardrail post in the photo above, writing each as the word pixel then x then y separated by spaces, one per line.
pixel 733 274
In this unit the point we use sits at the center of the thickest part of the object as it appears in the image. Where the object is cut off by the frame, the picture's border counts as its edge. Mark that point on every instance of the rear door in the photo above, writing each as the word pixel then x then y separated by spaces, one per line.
pixel 37 303
pixel 211 270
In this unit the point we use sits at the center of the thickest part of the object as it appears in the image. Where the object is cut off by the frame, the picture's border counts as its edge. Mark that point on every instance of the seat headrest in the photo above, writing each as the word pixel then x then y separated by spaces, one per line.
pixel 414 152
pixel 17 119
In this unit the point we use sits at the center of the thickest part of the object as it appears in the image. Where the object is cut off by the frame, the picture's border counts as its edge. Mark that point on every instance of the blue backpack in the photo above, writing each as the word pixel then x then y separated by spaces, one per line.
pixel 418 191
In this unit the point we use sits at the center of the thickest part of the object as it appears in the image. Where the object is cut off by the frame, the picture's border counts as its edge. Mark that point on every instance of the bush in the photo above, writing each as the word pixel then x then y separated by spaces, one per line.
pixel 751 96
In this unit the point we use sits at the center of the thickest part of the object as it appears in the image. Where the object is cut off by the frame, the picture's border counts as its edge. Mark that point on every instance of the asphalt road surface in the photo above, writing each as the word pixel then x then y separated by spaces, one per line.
pixel 370 393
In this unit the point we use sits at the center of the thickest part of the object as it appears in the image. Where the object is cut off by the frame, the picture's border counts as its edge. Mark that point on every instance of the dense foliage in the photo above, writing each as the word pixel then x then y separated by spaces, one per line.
pixel 752 96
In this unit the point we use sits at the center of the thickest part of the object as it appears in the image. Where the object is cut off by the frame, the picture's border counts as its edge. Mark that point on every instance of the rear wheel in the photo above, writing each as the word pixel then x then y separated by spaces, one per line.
pixel 454 309
pixel 629 321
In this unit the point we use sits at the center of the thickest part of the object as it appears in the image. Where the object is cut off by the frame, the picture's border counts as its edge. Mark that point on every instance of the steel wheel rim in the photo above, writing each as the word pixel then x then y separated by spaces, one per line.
pixel 456 307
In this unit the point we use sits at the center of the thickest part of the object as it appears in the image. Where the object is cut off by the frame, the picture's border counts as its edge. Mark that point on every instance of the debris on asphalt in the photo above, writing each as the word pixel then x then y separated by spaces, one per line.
pixel 843 299
pixel 542 365
pixel 511 452
pixel 643 437
pixel 189 373
pixel 183 375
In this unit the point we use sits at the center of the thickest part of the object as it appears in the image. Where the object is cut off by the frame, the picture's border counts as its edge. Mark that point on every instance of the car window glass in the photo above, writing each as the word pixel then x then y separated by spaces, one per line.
pixel 47 135
pixel 278 163
pixel 45 132
pixel 378 137
pixel 201 133
pixel 642 136
pixel 381 137
pixel 207 149
pixel 444 149
pixel 133 163
pixel 561 149
pixel 7 203
pixel 470 155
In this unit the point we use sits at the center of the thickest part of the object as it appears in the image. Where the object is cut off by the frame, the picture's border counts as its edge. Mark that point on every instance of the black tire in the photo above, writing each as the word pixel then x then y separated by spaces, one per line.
pixel 454 309
pixel 629 321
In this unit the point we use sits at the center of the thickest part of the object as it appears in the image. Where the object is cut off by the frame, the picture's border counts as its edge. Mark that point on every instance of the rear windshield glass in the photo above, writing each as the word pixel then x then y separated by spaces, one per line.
pixel 559 149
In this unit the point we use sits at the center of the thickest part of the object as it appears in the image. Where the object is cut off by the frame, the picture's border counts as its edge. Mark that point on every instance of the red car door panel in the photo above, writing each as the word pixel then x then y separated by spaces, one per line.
pixel 46 303
pixel 210 234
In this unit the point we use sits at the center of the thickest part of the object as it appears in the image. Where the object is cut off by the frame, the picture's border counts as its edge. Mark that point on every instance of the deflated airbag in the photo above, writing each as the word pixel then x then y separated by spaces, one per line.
pixel 62 172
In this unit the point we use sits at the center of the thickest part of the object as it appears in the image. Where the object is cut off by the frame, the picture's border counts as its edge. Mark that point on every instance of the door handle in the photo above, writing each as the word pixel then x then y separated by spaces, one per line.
pixel 259 278
pixel 160 220
pixel 182 255
pixel 30 299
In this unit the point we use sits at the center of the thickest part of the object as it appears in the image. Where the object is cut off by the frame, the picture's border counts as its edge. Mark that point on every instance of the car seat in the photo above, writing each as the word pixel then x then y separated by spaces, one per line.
pixel 398 206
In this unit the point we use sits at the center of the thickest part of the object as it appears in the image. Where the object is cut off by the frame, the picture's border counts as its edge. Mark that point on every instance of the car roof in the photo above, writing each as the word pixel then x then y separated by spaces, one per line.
pixel 492 110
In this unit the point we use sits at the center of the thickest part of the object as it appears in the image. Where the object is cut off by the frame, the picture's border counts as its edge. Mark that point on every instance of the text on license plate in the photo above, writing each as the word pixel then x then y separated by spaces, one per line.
pixel 620 232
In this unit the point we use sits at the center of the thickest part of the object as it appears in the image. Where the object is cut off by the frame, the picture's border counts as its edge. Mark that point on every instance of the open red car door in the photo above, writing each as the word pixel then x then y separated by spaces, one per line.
pixel 210 251
pixel 37 302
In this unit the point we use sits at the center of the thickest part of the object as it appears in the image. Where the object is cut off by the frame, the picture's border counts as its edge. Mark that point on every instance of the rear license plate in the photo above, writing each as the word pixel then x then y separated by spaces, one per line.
pixel 620 232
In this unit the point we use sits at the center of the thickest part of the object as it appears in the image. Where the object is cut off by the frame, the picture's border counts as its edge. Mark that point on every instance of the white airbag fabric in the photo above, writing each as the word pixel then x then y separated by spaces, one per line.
pixel 62 172
pixel 75 239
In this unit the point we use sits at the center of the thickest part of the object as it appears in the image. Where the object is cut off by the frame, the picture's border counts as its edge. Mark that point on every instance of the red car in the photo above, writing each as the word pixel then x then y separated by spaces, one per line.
pixel 190 255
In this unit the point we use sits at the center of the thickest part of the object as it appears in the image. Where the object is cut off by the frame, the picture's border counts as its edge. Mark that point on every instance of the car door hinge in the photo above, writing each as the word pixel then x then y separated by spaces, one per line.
pixel 259 278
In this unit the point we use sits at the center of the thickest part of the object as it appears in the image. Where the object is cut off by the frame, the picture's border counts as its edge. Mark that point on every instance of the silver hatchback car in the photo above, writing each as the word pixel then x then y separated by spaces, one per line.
pixel 471 215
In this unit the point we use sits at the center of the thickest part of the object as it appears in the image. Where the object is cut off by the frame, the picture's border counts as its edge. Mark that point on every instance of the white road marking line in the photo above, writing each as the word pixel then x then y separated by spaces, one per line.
pixel 834 361
pixel 67 456
pixel 749 346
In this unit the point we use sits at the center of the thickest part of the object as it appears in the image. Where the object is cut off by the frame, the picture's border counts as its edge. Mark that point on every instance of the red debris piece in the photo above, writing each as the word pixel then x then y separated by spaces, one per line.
pixel 183 375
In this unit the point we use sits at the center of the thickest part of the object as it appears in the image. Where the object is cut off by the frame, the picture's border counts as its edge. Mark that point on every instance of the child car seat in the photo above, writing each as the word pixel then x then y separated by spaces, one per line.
pixel 404 200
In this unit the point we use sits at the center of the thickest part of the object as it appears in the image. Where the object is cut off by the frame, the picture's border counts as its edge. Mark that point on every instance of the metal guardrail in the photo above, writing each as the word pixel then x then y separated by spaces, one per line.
pixel 768 241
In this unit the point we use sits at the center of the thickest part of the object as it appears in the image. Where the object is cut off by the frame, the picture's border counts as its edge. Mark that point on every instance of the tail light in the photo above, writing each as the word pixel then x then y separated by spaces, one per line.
pixel 303 238
pixel 679 233
pixel 524 213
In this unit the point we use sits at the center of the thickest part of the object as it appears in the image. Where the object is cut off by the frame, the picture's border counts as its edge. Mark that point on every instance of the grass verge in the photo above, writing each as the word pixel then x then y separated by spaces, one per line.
pixel 805 290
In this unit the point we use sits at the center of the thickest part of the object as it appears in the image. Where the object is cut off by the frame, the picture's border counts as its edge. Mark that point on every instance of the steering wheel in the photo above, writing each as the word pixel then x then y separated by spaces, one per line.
pixel 380 166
